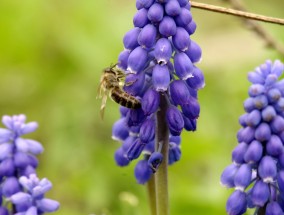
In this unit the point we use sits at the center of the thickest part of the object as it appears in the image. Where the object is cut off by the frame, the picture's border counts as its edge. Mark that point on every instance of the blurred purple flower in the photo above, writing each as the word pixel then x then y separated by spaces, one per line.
pixel 256 173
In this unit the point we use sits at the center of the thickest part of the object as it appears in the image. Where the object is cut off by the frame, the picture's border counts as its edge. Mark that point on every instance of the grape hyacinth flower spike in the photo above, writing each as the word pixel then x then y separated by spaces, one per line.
pixel 257 172
pixel 159 60
pixel 20 186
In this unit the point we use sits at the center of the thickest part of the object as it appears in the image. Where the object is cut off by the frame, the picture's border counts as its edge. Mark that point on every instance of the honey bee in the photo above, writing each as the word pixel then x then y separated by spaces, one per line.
pixel 111 81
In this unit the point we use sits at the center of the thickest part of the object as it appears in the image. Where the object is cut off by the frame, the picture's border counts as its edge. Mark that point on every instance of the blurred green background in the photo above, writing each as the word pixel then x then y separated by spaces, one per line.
pixel 52 53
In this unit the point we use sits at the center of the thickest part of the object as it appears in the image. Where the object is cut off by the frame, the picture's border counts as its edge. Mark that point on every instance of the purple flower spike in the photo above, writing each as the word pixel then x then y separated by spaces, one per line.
pixel 142 172
pixel 237 203
pixel 243 177
pixel 156 13
pixel 172 8
pixel 274 146
pixel 273 208
pixel 184 17
pixel 181 40
pixel 163 51
pixel 155 160
pixel 175 120
pixel 120 157
pixel 228 175
pixel 161 78
pixel 267 169
pixel 183 66
pixel 260 193
pixel 261 142
pixel 135 150
pixel 167 26
pixel 150 102
pixel 147 131
pixel 130 39
pixel 254 152
pixel 179 92
pixel 157 67
pixel 137 60
pixel 147 36
pixel 140 19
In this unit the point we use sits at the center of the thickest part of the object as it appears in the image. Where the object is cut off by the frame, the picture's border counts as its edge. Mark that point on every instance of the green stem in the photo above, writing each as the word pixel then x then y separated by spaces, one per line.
pixel 152 194
pixel 161 176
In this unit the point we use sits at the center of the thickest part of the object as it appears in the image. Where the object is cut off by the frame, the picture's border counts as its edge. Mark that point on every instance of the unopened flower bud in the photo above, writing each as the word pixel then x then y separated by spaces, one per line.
pixel 181 40
pixel 174 120
pixel 147 36
pixel 156 13
pixel 167 26
pixel 150 102
pixel 140 19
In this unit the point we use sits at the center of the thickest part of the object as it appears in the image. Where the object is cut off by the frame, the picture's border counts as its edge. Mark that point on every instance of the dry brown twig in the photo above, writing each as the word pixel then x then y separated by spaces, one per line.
pixel 249 19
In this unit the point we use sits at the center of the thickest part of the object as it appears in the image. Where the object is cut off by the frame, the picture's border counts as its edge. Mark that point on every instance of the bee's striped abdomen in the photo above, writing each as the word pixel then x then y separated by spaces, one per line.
pixel 125 99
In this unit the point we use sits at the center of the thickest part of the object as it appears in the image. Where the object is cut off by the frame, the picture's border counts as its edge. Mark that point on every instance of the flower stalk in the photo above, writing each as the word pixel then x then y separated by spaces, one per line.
pixel 151 188
pixel 161 176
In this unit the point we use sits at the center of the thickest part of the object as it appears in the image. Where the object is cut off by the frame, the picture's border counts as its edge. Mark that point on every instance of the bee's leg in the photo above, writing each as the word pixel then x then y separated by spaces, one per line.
pixel 129 83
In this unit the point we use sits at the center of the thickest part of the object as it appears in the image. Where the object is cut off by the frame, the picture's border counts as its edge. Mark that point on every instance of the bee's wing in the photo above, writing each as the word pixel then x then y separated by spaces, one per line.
pixel 99 91
pixel 104 100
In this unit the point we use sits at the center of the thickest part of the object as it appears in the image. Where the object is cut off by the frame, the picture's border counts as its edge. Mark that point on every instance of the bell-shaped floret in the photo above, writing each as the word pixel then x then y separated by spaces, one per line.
pixel 142 171
pixel 161 77
pixel 183 66
pixel 237 203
